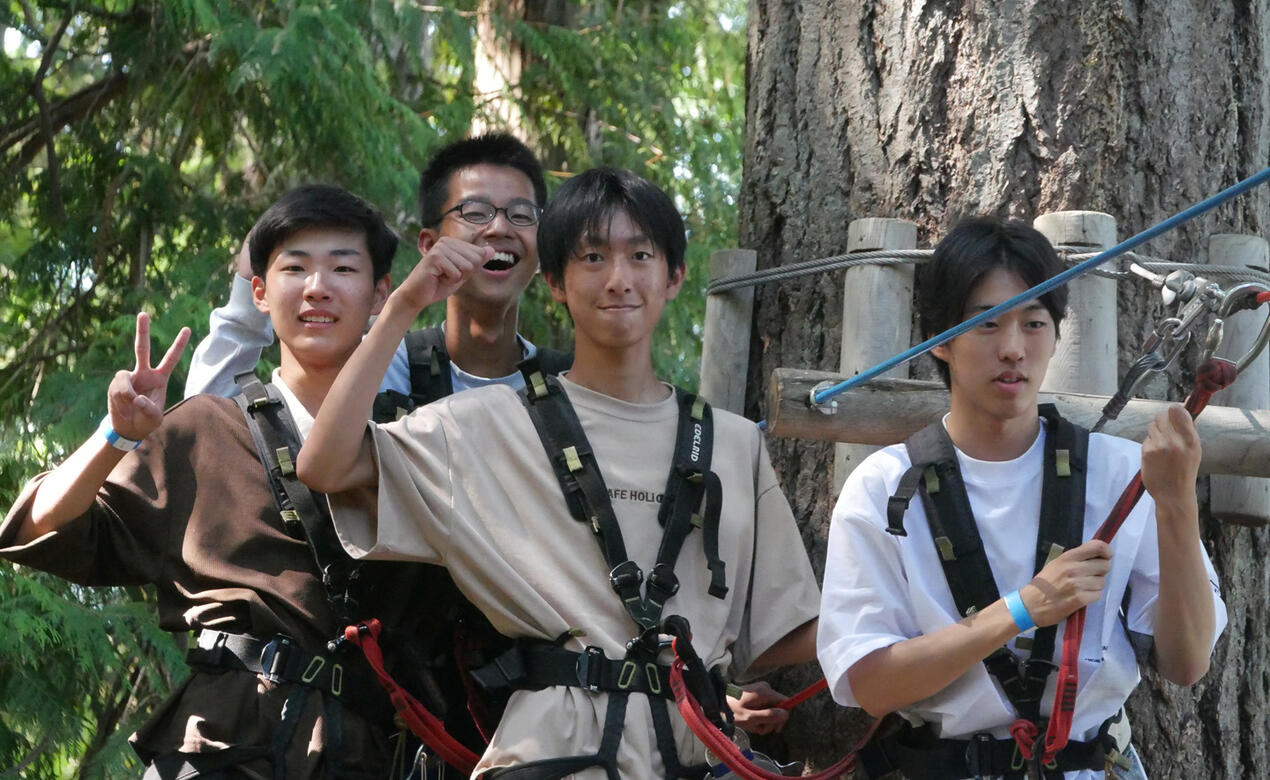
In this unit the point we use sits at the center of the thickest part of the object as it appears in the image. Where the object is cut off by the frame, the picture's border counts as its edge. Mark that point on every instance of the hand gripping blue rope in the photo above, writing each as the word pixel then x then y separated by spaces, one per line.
pixel 1044 287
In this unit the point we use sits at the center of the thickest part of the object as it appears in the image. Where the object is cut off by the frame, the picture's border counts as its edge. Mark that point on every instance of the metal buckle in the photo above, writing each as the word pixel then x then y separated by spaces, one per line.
pixel 588 668
pixel 273 658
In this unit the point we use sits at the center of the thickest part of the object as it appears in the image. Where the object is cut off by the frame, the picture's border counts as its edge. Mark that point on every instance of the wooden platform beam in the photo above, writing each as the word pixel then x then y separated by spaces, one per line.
pixel 886 411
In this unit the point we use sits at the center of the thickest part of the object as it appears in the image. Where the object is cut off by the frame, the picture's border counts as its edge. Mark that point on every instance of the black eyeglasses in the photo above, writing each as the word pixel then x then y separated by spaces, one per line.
pixel 478 212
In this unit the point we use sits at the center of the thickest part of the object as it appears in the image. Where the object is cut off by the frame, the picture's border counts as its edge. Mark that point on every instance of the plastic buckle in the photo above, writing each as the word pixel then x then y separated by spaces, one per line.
pixel 274 656
pixel 625 577
pixel 662 578
pixel 978 749
pixel 588 668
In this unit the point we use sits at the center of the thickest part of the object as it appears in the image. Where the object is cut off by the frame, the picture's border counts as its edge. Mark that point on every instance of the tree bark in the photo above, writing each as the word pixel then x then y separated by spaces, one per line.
pixel 930 111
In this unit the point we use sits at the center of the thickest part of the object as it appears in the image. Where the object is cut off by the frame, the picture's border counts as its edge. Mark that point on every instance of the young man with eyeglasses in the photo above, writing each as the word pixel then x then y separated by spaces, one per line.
pixel 478 196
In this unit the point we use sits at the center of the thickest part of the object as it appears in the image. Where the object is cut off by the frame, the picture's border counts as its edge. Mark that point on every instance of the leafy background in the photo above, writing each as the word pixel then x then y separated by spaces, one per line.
pixel 140 138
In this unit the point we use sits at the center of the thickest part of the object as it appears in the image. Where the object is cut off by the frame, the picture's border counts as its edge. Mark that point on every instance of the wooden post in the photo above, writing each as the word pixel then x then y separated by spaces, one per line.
pixel 1085 360
pixel 1242 500
pixel 877 315
pixel 886 411
pixel 725 341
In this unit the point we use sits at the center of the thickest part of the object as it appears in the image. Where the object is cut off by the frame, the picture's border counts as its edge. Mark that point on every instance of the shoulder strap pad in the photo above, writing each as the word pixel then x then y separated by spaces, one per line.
pixel 924 448
pixel 553 361
pixel 429 366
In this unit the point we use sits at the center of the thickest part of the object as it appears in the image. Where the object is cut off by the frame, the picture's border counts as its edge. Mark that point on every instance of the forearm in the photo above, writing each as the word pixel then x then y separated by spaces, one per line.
pixel 237 334
pixel 69 490
pixel 906 672
pixel 336 454
pixel 1184 614
pixel 796 647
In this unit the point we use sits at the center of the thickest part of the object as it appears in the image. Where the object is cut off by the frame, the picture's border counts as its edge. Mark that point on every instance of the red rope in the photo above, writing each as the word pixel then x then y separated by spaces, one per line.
pixel 424 724
pixel 726 750
pixel 1263 297
pixel 804 694
pixel 1215 374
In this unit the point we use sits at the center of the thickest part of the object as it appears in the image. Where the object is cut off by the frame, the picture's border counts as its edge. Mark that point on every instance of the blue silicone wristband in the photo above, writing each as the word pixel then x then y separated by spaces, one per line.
pixel 114 439
pixel 1014 602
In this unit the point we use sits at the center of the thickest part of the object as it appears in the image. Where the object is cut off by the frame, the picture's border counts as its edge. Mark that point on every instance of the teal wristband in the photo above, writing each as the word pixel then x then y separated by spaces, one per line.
pixel 1014 602
pixel 114 439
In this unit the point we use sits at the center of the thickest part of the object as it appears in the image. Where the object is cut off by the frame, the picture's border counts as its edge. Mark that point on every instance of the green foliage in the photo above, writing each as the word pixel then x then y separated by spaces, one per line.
pixel 140 138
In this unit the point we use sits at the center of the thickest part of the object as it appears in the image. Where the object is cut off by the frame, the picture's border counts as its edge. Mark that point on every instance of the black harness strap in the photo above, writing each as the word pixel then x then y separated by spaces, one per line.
pixel 429 366
pixel 692 499
pixel 936 477
pixel 431 377
pixel 302 510
pixel 588 500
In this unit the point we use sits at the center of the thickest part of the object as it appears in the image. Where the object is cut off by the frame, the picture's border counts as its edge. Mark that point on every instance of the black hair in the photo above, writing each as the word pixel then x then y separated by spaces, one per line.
pixel 583 205
pixel 972 250
pixel 321 206
pixel 489 149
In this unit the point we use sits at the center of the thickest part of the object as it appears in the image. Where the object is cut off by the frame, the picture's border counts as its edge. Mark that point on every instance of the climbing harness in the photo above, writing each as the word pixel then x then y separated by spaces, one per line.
pixel 692 500
pixel 936 477
pixel 347 583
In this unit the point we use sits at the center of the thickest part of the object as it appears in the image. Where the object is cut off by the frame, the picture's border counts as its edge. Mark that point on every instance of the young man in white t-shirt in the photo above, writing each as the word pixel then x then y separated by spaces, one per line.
pixel 466 482
pixel 892 636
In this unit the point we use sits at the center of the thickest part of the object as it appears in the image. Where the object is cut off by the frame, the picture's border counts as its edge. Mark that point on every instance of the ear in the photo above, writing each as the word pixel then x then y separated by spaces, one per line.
pixel 382 287
pixel 258 295
pixel 940 351
pixel 675 283
pixel 556 287
pixel 427 239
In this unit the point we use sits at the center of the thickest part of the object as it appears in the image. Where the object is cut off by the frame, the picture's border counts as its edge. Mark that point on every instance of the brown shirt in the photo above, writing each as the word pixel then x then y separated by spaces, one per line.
pixel 190 512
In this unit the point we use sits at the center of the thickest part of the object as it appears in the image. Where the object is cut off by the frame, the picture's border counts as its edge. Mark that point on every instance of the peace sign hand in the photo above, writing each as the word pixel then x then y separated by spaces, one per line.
pixel 136 398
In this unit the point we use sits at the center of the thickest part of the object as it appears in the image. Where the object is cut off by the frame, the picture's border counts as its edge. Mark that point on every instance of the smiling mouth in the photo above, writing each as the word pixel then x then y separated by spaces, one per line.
pixel 316 318
pixel 502 261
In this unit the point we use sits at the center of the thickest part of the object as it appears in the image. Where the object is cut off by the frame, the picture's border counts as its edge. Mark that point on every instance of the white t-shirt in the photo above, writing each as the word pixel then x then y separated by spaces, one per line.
pixel 880 589
pixel 465 482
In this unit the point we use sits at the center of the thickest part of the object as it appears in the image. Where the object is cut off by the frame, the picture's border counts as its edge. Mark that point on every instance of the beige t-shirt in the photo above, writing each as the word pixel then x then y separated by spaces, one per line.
pixel 466 482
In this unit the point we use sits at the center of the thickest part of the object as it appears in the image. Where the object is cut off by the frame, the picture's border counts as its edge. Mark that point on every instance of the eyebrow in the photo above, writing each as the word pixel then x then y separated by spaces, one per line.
pixel 591 239
pixel 1032 306
pixel 338 251
pixel 490 201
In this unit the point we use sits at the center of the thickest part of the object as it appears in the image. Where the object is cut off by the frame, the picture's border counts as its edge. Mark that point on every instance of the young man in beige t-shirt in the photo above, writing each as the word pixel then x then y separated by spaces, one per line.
pixel 467 483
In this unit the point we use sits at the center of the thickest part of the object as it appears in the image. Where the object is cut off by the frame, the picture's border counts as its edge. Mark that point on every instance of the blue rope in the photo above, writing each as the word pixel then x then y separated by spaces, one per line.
pixel 1046 286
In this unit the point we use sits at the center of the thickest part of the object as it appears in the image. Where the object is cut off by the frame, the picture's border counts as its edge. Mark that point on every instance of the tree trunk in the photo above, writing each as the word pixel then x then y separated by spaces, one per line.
pixel 930 111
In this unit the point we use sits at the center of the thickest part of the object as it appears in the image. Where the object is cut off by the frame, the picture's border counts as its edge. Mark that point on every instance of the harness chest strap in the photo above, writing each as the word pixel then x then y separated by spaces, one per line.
pixel 692 498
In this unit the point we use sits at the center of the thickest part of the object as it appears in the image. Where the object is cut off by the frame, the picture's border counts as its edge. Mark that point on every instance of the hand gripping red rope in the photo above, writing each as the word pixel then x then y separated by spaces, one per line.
pixel 424 724
pixel 1215 374
pixel 726 750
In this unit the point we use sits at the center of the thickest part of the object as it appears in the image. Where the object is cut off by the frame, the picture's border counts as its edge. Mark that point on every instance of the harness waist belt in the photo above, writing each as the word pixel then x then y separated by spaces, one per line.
pixel 281 659
pixel 534 666
pixel 920 755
